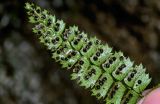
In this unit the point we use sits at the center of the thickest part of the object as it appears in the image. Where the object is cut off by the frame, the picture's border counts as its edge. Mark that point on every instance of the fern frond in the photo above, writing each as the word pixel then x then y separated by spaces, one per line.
pixel 108 74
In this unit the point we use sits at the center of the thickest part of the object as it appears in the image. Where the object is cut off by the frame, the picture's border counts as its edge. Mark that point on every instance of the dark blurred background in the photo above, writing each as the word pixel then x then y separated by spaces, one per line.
pixel 28 75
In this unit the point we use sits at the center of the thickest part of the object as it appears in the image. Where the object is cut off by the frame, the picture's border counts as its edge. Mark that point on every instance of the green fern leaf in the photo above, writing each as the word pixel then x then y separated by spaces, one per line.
pixel 109 75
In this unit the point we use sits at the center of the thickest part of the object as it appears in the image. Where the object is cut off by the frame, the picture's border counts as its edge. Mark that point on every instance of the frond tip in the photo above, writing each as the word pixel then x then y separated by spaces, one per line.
pixel 109 75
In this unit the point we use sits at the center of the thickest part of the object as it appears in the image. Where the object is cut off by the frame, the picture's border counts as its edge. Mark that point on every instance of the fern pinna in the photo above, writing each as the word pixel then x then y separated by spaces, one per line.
pixel 109 75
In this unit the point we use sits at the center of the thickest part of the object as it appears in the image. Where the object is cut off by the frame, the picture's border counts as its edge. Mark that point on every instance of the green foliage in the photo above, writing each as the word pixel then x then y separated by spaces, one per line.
pixel 109 75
